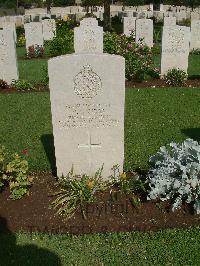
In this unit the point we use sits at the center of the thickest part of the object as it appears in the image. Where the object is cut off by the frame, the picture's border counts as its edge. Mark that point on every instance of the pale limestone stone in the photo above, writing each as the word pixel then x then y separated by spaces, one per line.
pixel 181 16
pixel 129 25
pixel 11 26
pixel 175 48
pixel 87 103
pixel 144 31
pixel 169 21
pixel 89 22
pixel 195 16
pixel 33 34
pixel 8 59
pixel 80 15
pixel 49 29
pixel 195 35
pixel 88 39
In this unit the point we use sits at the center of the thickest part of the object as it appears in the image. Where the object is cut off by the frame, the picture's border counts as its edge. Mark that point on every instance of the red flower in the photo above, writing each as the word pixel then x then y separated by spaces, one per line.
pixel 24 152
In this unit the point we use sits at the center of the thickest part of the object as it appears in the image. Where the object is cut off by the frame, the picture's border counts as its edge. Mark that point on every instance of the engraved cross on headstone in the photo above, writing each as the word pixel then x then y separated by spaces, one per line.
pixel 90 145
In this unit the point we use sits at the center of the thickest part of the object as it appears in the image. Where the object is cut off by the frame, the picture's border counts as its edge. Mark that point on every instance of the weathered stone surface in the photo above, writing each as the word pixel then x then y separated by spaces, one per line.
pixel 87 103
pixel 88 39
pixel 169 21
pixel 144 31
pixel 8 59
pixel 129 25
pixel 195 35
pixel 33 34
pixel 49 29
pixel 175 48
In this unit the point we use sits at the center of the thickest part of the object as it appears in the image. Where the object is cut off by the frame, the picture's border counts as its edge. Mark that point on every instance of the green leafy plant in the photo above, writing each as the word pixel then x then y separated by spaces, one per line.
pixel 22 85
pixel 175 77
pixel 3 85
pixel 76 192
pixel 138 57
pixel 62 45
pixel 63 42
pixel 13 172
pixel 195 51
pixel 21 41
pixel 128 183
pixel 175 174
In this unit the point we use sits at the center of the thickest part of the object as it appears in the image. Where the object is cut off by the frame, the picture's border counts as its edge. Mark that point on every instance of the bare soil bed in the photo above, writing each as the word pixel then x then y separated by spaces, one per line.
pixel 33 213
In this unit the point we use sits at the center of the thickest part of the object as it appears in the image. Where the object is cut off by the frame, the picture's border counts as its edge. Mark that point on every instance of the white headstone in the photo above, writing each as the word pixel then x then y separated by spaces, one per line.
pixel 89 22
pixel 195 35
pixel 88 39
pixel 11 26
pixel 144 31
pixel 49 29
pixel 175 48
pixel 33 34
pixel 129 25
pixel 195 16
pixel 169 21
pixel 8 59
pixel 87 103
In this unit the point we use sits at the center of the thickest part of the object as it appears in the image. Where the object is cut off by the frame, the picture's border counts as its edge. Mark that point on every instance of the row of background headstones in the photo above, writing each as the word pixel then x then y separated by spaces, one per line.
pixel 146 11
pixel 143 29
pixel 175 55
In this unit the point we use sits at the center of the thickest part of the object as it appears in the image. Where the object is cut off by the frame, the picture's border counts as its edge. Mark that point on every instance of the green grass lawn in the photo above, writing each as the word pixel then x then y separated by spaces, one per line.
pixel 170 247
pixel 153 117
pixel 193 66
pixel 33 70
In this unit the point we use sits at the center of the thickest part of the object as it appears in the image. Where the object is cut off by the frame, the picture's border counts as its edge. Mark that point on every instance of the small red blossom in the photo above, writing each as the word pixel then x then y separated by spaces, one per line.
pixel 25 152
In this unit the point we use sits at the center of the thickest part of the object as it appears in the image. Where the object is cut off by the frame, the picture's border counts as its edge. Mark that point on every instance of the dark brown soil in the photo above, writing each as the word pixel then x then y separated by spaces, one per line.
pixel 32 213
pixel 155 83
pixel 160 83
pixel 38 88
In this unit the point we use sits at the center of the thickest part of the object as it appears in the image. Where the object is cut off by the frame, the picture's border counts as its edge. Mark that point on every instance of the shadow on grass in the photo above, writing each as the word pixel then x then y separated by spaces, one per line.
pixel 193 133
pixel 48 144
pixel 24 255
pixel 192 77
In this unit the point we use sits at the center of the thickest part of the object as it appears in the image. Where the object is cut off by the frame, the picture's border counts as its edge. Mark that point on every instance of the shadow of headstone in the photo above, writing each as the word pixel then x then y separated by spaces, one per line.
pixel 193 133
pixel 12 254
pixel 48 144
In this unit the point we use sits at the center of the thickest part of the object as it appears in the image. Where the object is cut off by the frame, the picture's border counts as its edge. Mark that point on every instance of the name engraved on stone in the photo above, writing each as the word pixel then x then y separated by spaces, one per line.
pixel 88 116
pixel 87 84
pixel 175 42
pixel 89 40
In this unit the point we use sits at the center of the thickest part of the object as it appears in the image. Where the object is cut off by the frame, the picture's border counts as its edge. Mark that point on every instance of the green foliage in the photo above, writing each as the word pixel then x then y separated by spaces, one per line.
pixel 91 2
pixel 185 22
pixel 138 57
pixel 63 2
pixel 76 192
pixel 13 171
pixel 134 2
pixel 3 85
pixel 45 79
pixel 195 51
pixel 129 184
pixel 175 77
pixel 63 43
pixel 21 41
pixel 22 85
pixel 176 174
